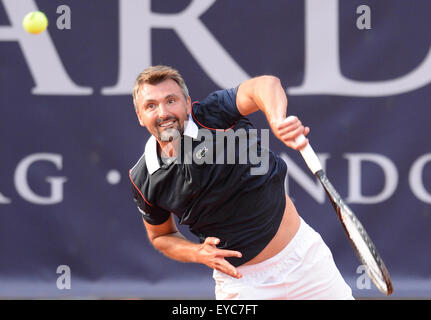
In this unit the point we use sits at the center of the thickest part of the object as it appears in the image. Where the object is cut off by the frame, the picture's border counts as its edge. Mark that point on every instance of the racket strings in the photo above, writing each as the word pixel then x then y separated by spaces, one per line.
pixel 364 247
pixel 366 251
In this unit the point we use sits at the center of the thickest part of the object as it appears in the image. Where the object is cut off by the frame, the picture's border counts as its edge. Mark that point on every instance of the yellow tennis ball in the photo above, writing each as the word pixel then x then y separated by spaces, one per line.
pixel 35 22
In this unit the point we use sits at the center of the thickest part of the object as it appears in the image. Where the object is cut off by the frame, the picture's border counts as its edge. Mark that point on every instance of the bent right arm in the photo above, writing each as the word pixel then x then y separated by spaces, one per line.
pixel 167 239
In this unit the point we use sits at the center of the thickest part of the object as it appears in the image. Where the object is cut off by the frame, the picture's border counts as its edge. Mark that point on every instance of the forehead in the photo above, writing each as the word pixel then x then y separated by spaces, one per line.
pixel 159 91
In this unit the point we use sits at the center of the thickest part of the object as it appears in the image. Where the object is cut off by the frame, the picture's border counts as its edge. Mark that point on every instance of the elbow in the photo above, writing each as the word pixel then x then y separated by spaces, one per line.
pixel 157 243
pixel 154 240
pixel 264 84
pixel 271 80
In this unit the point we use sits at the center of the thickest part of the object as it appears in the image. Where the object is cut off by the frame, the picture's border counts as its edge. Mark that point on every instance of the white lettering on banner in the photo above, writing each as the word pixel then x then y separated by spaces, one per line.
pixel 389 170
pixel 56 183
pixel 4 200
pixel 322 60
pixel 136 22
pixel 302 177
pixel 315 190
pixel 40 53
pixel 416 181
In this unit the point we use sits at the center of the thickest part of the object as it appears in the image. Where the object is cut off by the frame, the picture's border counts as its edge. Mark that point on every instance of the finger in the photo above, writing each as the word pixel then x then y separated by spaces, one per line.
pixel 237 274
pixel 229 269
pixel 229 253
pixel 297 146
pixel 291 127
pixel 302 145
pixel 286 123
pixel 233 273
pixel 212 241
pixel 292 135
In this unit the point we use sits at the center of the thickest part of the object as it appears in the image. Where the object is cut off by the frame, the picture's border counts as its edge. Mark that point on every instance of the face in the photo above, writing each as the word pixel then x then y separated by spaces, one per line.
pixel 162 108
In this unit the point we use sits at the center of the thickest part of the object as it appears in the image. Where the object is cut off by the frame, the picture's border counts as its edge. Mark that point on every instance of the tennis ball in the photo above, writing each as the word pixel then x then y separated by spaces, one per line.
pixel 35 22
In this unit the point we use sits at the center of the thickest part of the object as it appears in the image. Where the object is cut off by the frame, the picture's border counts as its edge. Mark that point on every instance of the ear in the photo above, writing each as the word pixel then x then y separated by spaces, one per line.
pixel 189 105
pixel 140 119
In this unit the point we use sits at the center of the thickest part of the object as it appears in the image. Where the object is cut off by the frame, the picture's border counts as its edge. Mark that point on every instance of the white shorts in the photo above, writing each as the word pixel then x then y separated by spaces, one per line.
pixel 303 270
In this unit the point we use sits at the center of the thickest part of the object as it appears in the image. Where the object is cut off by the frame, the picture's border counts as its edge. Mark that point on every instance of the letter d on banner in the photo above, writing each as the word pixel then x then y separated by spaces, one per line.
pixel 389 170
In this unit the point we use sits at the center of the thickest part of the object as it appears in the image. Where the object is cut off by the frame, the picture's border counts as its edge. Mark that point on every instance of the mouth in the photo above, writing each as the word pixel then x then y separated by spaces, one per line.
pixel 167 124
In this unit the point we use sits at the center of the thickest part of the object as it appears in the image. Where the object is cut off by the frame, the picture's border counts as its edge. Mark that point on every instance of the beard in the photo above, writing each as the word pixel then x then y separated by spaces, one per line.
pixel 171 133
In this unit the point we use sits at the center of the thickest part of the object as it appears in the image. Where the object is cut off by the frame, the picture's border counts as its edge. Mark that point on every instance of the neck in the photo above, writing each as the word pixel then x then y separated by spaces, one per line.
pixel 167 149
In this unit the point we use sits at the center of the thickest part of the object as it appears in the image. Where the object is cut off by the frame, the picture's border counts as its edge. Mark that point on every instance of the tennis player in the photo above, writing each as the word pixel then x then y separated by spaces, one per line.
pixel 249 231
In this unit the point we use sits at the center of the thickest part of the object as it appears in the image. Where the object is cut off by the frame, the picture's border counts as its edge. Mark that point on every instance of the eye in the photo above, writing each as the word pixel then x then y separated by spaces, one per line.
pixel 150 106
pixel 171 101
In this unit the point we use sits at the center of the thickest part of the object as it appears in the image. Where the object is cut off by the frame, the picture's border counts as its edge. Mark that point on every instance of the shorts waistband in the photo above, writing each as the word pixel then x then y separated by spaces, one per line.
pixel 253 268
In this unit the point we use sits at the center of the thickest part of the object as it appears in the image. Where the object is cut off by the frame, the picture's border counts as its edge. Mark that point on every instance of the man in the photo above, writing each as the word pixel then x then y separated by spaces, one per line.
pixel 250 232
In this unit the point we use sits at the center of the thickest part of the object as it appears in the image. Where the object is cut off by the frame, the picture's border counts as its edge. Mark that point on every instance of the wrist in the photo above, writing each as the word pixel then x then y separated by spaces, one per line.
pixel 196 256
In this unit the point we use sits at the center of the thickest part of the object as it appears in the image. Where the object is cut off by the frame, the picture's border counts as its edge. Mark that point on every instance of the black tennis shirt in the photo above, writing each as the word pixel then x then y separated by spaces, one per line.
pixel 214 198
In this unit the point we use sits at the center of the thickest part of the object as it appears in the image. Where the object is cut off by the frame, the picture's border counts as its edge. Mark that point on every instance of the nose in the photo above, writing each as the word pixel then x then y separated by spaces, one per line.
pixel 163 113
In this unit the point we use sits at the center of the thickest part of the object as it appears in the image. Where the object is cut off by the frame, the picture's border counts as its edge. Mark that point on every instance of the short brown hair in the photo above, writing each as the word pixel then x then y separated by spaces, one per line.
pixel 155 75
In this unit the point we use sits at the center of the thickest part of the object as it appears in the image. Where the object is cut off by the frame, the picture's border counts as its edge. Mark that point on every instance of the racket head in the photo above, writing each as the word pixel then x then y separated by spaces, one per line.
pixel 363 245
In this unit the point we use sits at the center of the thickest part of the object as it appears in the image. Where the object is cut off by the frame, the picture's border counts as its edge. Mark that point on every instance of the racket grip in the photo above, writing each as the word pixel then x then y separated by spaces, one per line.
pixel 309 156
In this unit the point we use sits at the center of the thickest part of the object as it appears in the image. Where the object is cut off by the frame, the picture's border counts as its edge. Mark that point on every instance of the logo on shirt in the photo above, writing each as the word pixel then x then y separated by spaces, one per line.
pixel 201 153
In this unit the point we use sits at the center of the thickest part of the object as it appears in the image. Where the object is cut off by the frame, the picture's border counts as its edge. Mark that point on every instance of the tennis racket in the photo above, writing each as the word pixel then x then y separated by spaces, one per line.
pixel 358 236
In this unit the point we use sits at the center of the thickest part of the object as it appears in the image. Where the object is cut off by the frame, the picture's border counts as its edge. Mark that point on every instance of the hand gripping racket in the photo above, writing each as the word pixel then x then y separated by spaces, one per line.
pixel 358 236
